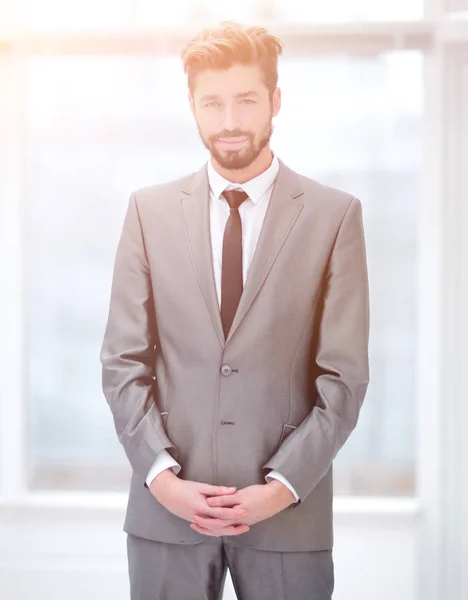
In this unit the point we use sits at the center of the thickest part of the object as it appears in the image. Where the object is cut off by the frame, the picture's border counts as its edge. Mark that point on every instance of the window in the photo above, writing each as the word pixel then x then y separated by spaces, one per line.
pixel 108 14
pixel 53 14
pixel 99 127
pixel 317 11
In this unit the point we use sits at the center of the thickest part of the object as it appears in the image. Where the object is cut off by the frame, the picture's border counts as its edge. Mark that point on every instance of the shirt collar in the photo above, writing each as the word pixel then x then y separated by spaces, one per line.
pixel 255 188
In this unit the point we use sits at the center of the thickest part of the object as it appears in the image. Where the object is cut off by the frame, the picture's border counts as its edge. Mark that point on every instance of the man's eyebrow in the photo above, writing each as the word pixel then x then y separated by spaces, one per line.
pixel 249 93
pixel 210 97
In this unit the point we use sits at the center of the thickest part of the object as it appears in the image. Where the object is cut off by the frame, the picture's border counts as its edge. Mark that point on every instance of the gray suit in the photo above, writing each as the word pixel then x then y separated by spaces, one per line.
pixel 283 391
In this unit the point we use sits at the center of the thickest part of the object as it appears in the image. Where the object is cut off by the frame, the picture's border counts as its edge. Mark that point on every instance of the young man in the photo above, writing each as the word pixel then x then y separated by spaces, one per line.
pixel 235 357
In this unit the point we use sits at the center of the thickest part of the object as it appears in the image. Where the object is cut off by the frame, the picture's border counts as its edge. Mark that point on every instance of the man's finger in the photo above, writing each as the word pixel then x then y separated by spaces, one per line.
pixel 210 523
pixel 215 490
pixel 223 513
pixel 203 530
pixel 230 500
pixel 235 529
pixel 230 530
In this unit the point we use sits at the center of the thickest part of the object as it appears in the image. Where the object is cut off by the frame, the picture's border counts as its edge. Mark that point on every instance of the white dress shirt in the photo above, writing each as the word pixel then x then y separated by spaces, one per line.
pixel 252 213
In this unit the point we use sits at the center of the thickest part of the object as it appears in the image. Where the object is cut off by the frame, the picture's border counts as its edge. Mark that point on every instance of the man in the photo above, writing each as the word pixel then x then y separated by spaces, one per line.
pixel 235 357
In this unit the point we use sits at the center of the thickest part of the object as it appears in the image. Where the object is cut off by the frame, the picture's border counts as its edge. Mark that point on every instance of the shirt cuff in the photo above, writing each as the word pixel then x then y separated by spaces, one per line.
pixel 275 475
pixel 163 461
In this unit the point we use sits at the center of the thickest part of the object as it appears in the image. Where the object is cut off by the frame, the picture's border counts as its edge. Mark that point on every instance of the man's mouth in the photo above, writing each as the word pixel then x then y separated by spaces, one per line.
pixel 232 142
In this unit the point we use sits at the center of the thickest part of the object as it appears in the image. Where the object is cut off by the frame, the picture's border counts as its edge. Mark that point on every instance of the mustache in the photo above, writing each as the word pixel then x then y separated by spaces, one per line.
pixel 231 134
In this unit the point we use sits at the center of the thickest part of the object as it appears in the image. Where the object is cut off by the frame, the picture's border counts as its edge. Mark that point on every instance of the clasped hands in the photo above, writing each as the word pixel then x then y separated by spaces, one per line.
pixel 218 510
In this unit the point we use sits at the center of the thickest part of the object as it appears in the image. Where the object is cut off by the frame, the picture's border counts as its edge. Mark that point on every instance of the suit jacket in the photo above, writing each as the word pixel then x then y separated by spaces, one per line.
pixel 283 391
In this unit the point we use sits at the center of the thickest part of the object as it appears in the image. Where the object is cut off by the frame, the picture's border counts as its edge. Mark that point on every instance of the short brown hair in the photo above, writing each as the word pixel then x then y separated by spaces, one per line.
pixel 232 44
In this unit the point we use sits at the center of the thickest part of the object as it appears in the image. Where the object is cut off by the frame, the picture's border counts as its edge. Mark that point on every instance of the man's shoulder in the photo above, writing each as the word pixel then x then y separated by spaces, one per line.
pixel 163 191
pixel 328 195
pixel 316 193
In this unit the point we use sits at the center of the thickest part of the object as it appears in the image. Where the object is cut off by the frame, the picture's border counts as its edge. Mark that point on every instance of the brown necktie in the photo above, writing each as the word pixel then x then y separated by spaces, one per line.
pixel 231 274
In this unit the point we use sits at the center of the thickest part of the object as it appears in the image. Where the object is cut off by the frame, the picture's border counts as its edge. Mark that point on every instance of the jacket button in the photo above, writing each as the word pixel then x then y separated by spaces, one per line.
pixel 226 370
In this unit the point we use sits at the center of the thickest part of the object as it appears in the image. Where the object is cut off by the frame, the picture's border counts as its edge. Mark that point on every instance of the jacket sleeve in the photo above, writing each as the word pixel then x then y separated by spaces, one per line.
pixel 128 351
pixel 340 365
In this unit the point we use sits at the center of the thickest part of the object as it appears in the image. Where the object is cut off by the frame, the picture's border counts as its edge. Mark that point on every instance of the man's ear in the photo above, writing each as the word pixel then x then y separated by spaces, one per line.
pixel 276 101
pixel 192 103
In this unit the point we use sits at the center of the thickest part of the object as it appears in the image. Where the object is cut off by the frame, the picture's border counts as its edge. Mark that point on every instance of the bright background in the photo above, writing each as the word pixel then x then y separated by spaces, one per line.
pixel 98 127
pixel 94 105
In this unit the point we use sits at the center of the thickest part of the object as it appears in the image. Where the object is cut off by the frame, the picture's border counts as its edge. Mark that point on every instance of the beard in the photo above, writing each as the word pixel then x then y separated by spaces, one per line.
pixel 242 157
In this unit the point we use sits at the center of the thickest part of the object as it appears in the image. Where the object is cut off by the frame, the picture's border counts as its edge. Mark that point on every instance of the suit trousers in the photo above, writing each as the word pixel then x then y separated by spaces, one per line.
pixel 163 571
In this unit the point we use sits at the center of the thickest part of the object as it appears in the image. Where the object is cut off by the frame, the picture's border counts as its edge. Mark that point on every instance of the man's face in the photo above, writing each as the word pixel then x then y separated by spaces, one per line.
pixel 233 112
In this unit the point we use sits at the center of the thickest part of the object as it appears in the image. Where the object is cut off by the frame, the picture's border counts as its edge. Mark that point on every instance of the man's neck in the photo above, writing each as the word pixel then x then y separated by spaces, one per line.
pixel 260 165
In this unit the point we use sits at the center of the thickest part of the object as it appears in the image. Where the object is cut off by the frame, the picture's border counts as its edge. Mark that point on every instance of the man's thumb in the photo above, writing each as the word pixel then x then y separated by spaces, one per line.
pixel 217 490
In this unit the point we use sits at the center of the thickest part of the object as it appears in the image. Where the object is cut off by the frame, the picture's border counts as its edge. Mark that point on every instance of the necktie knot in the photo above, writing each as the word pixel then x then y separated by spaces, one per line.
pixel 235 197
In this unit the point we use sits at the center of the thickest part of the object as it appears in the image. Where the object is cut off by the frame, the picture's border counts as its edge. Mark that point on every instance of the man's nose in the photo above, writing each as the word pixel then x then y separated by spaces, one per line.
pixel 230 119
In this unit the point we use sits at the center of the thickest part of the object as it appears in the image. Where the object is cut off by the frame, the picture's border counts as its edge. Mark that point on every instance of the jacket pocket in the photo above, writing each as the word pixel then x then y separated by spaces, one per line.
pixel 164 415
pixel 174 452
pixel 287 429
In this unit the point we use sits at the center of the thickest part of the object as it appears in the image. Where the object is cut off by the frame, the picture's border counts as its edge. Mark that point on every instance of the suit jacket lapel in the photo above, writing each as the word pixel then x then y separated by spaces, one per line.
pixel 195 207
pixel 280 217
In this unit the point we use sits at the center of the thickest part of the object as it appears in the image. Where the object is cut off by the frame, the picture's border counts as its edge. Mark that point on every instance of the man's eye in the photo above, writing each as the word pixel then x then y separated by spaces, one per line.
pixel 248 101
pixel 212 104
